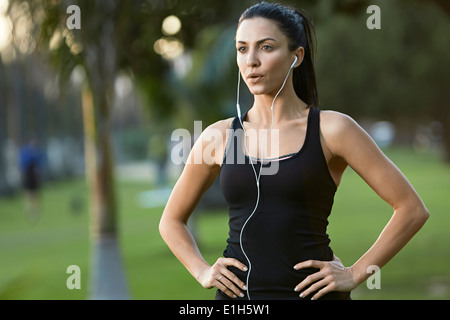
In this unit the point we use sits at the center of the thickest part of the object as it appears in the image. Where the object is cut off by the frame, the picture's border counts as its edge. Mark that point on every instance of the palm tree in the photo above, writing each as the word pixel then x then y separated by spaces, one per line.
pixel 96 52
pixel 115 35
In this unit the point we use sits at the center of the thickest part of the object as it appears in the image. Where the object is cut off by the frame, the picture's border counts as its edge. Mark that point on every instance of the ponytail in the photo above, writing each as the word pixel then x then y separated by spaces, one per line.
pixel 304 78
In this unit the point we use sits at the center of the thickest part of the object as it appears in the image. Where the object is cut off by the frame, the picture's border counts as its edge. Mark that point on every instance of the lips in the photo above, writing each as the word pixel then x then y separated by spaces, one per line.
pixel 254 77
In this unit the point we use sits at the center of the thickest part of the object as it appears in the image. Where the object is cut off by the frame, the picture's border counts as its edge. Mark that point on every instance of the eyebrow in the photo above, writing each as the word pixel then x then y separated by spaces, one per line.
pixel 259 41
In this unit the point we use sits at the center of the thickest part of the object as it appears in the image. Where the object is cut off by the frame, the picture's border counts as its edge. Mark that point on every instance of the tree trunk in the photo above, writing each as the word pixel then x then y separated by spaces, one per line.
pixel 107 280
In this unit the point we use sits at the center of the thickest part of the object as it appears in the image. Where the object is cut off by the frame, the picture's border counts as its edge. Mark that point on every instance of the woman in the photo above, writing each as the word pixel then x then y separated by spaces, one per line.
pixel 278 246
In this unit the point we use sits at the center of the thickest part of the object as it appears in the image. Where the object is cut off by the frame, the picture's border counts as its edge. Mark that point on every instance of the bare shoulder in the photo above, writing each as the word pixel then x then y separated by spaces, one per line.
pixel 217 131
pixel 212 141
pixel 221 125
pixel 337 126
pixel 341 132
pixel 333 122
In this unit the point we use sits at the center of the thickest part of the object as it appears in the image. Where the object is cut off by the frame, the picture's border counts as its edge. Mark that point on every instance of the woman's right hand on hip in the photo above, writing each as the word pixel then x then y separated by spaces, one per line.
pixel 219 276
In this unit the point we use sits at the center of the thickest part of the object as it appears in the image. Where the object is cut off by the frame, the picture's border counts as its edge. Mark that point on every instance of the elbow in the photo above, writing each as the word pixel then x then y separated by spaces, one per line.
pixel 167 226
pixel 421 215
pixel 425 215
pixel 414 215
pixel 162 227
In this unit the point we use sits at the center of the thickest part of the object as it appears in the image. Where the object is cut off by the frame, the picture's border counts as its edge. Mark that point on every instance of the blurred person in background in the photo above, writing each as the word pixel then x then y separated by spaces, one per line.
pixel 31 160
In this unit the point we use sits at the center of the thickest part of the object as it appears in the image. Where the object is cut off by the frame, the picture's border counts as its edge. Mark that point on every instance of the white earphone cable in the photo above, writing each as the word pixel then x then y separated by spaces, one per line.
pixel 257 175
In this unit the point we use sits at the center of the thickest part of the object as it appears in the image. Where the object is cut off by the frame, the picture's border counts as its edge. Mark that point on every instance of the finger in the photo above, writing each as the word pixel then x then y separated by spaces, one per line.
pixel 224 289
pixel 322 292
pixel 314 287
pixel 310 264
pixel 235 263
pixel 308 280
pixel 231 286
pixel 231 276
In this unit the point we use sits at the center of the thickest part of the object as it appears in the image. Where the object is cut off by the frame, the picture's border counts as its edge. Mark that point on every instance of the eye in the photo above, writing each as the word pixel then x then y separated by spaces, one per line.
pixel 241 49
pixel 266 47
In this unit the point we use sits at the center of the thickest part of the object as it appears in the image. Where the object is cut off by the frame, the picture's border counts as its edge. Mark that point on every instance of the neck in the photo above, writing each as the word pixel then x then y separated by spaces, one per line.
pixel 287 106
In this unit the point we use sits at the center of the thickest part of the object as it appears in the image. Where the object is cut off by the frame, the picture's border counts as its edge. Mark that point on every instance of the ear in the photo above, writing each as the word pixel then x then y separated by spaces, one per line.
pixel 300 54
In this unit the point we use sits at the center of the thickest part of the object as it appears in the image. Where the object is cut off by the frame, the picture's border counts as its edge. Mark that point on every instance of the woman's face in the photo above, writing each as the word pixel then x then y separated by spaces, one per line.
pixel 263 56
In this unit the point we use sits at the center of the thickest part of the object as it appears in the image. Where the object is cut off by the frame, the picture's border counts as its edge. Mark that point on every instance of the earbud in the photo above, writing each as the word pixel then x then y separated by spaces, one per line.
pixel 293 63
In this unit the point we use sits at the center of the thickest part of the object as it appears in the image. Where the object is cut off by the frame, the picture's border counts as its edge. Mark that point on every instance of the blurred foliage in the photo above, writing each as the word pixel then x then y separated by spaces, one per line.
pixel 399 73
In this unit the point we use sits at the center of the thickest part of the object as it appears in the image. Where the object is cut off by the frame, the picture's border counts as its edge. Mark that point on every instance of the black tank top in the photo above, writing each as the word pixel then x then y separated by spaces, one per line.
pixel 289 225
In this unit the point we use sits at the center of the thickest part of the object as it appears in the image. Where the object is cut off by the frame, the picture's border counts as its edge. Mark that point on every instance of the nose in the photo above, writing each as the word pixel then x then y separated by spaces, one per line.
pixel 252 59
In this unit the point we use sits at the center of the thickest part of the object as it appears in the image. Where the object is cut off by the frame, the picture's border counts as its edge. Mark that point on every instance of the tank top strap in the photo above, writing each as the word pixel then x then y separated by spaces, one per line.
pixel 233 139
pixel 236 123
pixel 313 135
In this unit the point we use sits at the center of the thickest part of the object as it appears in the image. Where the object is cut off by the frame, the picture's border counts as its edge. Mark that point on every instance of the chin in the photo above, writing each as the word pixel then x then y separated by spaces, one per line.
pixel 260 91
pixel 257 90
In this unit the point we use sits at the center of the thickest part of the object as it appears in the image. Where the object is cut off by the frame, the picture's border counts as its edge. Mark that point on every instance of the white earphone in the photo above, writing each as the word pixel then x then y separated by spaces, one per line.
pixel 257 175
pixel 293 63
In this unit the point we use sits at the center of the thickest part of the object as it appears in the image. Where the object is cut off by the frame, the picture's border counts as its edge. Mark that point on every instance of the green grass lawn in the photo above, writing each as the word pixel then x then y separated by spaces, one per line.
pixel 34 256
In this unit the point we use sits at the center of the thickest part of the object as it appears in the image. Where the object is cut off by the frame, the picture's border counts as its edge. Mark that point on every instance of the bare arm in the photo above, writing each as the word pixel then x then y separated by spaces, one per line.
pixel 199 173
pixel 349 143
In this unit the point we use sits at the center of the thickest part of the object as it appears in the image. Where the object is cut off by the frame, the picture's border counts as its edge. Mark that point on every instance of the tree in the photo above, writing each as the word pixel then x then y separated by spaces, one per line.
pixel 398 73
pixel 96 52
pixel 112 36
